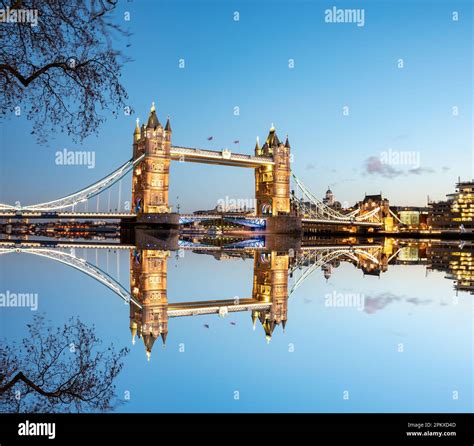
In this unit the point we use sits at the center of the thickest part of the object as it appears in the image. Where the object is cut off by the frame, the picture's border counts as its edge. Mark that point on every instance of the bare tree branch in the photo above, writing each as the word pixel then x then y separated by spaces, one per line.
pixel 66 65
pixel 48 377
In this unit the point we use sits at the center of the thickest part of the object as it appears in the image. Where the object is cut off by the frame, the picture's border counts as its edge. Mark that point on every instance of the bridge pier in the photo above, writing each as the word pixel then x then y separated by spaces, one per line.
pixel 283 224
pixel 149 238
pixel 168 221
pixel 283 242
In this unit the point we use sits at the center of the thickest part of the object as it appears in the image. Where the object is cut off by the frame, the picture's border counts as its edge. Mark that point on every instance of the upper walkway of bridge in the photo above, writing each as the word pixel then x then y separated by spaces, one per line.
pixel 223 157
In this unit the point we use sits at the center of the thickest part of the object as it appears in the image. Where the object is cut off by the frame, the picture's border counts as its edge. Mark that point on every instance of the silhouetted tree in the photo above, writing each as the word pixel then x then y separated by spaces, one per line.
pixel 58 370
pixel 64 71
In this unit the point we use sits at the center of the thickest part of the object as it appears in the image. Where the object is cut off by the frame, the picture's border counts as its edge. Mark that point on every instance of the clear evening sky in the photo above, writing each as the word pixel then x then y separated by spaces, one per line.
pixel 245 64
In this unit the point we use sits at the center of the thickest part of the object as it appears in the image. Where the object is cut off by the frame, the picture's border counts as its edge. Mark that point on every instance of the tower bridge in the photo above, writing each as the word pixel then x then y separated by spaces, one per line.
pixel 280 208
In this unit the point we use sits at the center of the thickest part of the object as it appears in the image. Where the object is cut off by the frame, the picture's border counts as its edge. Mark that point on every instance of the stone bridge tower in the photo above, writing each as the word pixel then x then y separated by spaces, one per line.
pixel 270 285
pixel 148 277
pixel 150 182
pixel 272 183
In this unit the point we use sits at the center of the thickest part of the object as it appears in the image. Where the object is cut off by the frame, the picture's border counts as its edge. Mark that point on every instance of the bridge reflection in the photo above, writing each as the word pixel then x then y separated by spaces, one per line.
pixel 150 309
pixel 277 272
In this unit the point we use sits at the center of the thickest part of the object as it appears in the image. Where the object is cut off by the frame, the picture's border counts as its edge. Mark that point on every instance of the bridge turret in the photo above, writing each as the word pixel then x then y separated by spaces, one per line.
pixel 136 138
pixel 133 330
pixel 168 126
pixel 153 122
pixel 136 132
pixel 258 149
pixel 255 315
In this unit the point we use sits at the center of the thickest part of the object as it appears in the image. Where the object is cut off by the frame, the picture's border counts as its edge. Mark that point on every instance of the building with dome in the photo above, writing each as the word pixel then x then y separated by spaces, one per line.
pixel 329 200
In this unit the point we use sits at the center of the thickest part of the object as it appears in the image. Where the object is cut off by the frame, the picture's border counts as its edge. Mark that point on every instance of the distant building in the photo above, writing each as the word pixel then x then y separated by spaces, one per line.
pixel 379 206
pixel 329 197
pixel 456 212
pixel 412 216
pixel 328 200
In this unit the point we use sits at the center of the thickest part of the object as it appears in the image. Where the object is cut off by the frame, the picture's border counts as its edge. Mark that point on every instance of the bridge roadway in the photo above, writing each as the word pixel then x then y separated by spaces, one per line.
pixel 342 222
pixel 61 214
pixel 195 217
pixel 11 244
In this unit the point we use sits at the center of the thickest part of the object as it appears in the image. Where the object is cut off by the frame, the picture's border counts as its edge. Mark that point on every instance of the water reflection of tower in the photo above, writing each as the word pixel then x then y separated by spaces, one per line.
pixel 270 285
pixel 327 270
pixel 148 287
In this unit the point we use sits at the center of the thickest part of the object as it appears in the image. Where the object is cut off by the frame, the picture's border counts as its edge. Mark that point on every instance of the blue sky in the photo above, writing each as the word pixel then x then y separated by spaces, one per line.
pixel 245 63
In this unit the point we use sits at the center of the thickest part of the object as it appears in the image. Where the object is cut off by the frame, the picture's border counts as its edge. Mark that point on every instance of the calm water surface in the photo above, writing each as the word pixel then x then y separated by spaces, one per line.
pixel 385 329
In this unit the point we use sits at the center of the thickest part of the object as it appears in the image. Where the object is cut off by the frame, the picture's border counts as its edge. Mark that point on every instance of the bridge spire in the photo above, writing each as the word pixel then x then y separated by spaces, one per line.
pixel 153 121
pixel 168 125
pixel 133 330
pixel 148 340
pixel 136 132
pixel 255 315
pixel 287 143
pixel 257 147
pixel 272 138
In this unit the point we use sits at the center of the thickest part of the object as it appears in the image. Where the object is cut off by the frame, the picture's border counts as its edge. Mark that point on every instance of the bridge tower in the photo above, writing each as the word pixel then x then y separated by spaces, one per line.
pixel 272 183
pixel 270 285
pixel 148 276
pixel 150 182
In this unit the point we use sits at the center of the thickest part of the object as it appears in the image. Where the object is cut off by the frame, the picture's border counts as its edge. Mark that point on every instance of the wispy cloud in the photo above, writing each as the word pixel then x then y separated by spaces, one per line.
pixel 374 166
pixel 420 171
pixel 380 301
